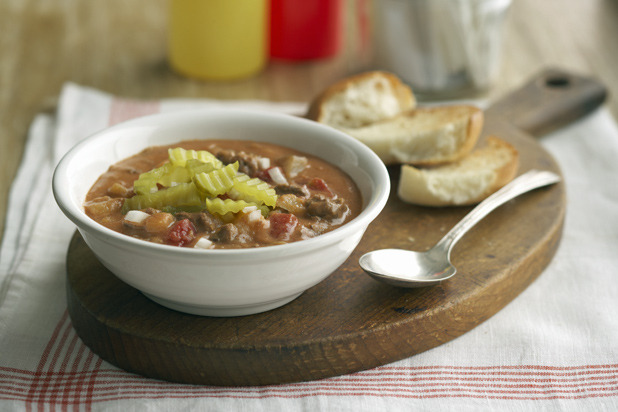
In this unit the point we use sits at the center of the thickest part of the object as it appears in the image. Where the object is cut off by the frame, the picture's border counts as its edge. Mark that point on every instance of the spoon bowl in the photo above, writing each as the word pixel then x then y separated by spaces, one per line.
pixel 409 269
pixel 409 266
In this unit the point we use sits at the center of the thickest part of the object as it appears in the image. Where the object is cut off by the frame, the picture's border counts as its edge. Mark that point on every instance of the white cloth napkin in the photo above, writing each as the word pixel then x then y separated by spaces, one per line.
pixel 555 347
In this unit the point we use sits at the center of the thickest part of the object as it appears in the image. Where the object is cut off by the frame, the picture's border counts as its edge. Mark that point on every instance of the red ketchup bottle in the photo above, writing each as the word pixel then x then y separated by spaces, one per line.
pixel 305 29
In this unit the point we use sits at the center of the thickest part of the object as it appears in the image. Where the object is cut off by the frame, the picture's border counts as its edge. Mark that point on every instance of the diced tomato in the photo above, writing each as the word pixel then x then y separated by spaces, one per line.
pixel 282 225
pixel 181 233
pixel 320 185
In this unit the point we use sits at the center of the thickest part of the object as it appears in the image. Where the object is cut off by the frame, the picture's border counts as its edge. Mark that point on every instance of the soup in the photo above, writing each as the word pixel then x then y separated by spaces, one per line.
pixel 222 194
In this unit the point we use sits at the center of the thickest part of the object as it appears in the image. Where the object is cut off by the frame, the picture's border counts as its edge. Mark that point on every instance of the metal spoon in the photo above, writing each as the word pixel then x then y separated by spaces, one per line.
pixel 405 268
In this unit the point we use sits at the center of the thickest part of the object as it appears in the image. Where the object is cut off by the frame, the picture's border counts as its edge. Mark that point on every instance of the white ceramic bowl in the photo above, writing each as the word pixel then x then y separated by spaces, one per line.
pixel 219 282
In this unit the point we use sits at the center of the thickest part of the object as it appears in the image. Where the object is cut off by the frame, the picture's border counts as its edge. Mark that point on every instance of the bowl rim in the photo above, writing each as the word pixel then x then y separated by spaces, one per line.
pixel 374 204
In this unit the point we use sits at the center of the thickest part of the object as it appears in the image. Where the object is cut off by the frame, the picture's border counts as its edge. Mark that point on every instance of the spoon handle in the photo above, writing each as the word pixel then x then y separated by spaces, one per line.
pixel 532 179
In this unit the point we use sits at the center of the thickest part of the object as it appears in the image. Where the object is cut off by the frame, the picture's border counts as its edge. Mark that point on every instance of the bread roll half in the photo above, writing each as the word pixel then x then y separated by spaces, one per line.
pixel 424 136
pixel 362 99
pixel 464 182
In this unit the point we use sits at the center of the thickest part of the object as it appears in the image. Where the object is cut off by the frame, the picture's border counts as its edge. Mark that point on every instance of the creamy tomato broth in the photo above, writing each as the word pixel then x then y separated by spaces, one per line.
pixel 297 196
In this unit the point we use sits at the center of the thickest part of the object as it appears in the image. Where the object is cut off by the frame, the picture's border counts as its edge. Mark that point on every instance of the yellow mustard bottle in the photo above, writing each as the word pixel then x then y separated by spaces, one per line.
pixel 218 39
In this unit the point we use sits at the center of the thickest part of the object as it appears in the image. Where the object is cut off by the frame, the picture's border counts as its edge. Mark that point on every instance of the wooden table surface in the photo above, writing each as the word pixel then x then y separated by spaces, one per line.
pixel 119 46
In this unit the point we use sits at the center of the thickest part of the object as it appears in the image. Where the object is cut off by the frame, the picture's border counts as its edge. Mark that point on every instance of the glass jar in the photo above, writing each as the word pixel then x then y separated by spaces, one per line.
pixel 442 48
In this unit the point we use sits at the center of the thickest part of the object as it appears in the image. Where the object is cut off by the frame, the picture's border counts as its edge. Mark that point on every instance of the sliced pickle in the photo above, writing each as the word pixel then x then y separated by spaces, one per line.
pixel 182 195
pixel 217 182
pixel 253 190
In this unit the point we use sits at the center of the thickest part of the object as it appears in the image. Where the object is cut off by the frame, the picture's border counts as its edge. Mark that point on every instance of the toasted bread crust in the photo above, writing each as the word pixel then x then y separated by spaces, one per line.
pixel 475 125
pixel 465 182
pixel 508 171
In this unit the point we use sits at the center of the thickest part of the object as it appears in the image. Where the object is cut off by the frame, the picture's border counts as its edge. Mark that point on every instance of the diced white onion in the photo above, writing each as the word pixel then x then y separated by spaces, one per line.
pixel 295 164
pixel 249 209
pixel 136 216
pixel 277 176
pixel 254 216
pixel 203 243
pixel 264 163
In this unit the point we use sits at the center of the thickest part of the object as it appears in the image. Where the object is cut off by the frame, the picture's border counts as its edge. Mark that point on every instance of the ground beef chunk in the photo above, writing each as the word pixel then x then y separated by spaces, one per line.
pixel 247 163
pixel 225 234
pixel 291 203
pixel 208 222
pixel 326 208
pixel 300 191
pixel 203 221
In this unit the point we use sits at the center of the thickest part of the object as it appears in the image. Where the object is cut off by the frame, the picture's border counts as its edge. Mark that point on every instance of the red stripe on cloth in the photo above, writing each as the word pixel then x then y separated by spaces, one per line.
pixel 122 394
pixel 64 376
pixel 486 368
pixel 116 385
pixel 47 379
pixel 460 372
pixel 69 375
pixel 32 392
pixel 326 394
pixel 126 109
pixel 64 364
pixel 74 368
pixel 91 384
pixel 106 388
pixel 111 378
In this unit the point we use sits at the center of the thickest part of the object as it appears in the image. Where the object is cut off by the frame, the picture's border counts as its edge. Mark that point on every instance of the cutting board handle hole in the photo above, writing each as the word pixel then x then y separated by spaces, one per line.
pixel 557 82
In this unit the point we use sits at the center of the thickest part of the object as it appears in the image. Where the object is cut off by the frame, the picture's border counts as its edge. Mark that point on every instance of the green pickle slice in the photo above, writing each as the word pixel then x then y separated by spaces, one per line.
pixel 192 180
pixel 223 207
pixel 179 157
pixel 253 190
pixel 166 175
pixel 217 182
pixel 179 196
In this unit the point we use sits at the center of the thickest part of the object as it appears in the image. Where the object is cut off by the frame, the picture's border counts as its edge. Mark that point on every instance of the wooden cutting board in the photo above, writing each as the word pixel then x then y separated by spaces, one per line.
pixel 350 322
